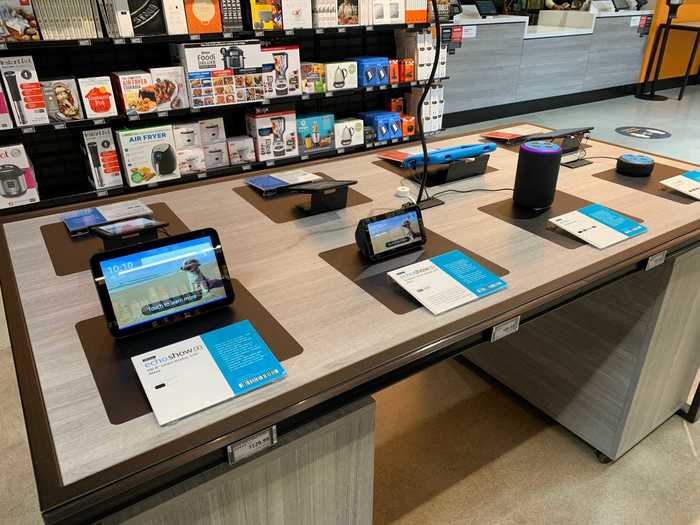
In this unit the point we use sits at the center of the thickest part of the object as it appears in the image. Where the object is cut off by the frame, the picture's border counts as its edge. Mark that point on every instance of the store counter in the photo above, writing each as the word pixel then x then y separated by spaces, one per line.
pixel 350 340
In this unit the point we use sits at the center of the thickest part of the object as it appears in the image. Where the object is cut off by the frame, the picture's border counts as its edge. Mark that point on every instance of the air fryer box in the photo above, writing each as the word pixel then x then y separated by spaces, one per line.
pixel 137 95
pixel 241 149
pixel 148 155
pixel 191 160
pixel 349 132
pixel 17 183
pixel 187 135
pixel 286 65
pixel 100 152
pixel 23 91
pixel 216 155
pixel 315 132
pixel 274 133
pixel 341 75
pixel 212 131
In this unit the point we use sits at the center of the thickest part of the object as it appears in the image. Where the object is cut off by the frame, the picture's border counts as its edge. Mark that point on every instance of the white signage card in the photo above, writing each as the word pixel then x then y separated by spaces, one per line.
pixel 686 183
pixel 598 225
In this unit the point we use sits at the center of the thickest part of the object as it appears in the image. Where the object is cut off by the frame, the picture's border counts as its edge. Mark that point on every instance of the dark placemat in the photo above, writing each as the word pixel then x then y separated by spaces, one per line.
pixel 538 223
pixel 286 207
pixel 372 278
pixel 409 173
pixel 651 184
pixel 110 359
pixel 73 255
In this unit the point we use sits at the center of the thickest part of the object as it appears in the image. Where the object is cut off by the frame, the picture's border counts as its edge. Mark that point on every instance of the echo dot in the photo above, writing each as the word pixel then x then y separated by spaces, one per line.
pixel 634 165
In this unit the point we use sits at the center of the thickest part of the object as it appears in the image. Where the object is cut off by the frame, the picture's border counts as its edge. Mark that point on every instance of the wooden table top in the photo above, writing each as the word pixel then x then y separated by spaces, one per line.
pixel 343 330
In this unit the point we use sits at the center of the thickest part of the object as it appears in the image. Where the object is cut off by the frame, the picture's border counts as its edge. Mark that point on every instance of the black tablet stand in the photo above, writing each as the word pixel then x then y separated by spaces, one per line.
pixel 120 241
pixel 325 200
pixel 457 170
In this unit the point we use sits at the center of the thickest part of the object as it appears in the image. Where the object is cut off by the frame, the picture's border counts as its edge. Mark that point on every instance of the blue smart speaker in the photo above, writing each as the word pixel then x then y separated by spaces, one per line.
pixel 537 174
pixel 635 165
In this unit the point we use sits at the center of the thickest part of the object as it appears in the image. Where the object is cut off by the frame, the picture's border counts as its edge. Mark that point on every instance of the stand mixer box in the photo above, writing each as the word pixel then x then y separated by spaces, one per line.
pixel 274 134
pixel 316 132
pixel 103 162
pixel 17 183
pixel 148 155
pixel 286 65
pixel 349 132
pixel 341 75
pixel 23 90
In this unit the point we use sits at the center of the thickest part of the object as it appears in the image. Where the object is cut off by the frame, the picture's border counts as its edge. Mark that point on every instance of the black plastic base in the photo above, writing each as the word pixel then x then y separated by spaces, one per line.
pixel 653 98
pixel 112 243
pixel 458 170
pixel 328 200
pixel 429 203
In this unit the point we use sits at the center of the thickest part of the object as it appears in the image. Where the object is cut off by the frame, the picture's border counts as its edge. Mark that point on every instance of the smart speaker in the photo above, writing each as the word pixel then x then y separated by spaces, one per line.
pixel 536 177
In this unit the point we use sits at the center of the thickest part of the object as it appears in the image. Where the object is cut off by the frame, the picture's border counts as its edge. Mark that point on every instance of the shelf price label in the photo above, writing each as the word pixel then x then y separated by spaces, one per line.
pixel 252 445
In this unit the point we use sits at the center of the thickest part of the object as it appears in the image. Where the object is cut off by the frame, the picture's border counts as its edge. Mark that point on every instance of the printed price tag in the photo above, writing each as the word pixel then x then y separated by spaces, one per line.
pixel 468 32
pixel 634 21
pixel 98 121
pixel 289 32
pixel 119 41
pixel 369 28
pixel 134 117
pixel 195 37
pixel 228 35
pixel 319 31
pixel 84 42
pixel 162 114
pixel 305 97
pixel 341 30
pixel 340 150
pixel 246 167
pixel 656 260
pixel 260 33
pixel 153 185
pixel 28 129
pixel 414 83
pixel 410 26
pixel 3 46
pixel 394 86
pixel 505 328
pixel 102 193
pixel 304 157
pixel 202 175
pixel 252 445
pixel 195 110
pixel 329 94
pixel 136 40
pixel 269 163
pixel 59 126
pixel 370 88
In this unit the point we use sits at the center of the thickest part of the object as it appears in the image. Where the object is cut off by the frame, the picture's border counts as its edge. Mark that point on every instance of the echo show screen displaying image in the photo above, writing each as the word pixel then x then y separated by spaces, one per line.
pixel 162 281
pixel 394 232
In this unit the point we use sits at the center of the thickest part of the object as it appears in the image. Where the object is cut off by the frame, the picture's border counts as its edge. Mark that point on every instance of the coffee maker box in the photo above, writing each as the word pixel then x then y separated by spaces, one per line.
pixel 316 132
pixel 274 134
pixel 187 135
pixel 191 160
pixel 98 97
pixel 341 75
pixel 148 155
pixel 313 77
pixel 286 65
pixel 17 182
pixel 349 132
pixel 212 131
pixel 62 100
pixel 171 88
pixel 100 151
pixel 137 95
pixel 23 91
pixel 216 155
pixel 241 150
pixel 348 13
pixel 296 14
pixel 266 15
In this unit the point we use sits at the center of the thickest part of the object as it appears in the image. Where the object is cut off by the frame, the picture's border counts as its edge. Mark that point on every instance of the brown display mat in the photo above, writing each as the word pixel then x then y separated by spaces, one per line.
pixel 110 359
pixel 537 223
pixel 651 184
pixel 286 207
pixel 73 255
pixel 408 173
pixel 372 278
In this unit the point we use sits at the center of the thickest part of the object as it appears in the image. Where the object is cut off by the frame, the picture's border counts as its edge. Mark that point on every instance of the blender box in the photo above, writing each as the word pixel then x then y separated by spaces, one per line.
pixel 148 154
pixel 313 77
pixel 212 131
pixel 341 75
pixel 216 155
pixel 372 71
pixel 23 90
pixel 349 132
pixel 296 14
pixel 137 94
pixel 5 118
pixel 191 160
pixel 266 15
pixel 241 149
pixel 17 182
pixel 62 100
pixel 286 65
pixel 102 160
pixel 348 13
pixel 187 135
pixel 98 97
pixel 170 86
pixel 315 132
pixel 274 133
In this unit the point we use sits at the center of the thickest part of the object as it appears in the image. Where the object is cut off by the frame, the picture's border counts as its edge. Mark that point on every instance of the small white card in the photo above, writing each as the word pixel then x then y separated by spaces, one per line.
pixel 598 225
pixel 687 183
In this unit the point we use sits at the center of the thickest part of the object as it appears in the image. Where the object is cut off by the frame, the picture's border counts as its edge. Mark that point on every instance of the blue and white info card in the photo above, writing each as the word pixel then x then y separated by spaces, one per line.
pixel 447 281
pixel 687 183
pixel 598 225
pixel 197 373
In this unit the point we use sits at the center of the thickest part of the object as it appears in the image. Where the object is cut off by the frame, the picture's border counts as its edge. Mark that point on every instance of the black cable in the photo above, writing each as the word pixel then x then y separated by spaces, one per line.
pixel 611 158
pixel 471 191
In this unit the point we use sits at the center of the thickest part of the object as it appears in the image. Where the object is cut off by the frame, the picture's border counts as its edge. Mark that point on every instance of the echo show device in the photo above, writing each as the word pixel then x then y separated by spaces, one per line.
pixel 390 234
pixel 153 284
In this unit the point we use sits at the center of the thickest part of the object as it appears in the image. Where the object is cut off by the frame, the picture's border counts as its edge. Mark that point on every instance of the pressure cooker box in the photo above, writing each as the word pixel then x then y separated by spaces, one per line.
pixel 17 183
pixel 149 155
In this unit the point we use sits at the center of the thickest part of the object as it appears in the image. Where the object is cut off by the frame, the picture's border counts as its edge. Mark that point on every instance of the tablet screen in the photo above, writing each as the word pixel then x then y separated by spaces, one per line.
pixel 162 281
pixel 394 232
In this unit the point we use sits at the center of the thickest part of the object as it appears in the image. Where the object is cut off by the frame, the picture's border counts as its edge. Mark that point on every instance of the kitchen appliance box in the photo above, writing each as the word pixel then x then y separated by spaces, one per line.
pixel 5 118
pixel 223 73
pixel 23 90
pixel 266 14
pixel 241 149
pixel 296 14
pixel 387 124
pixel 147 17
pixel 98 97
pixel 286 65
pixel 372 71
pixel 203 16
pixel 187 135
pixel 386 12
pixel 137 94
pixel 100 152
pixel 349 132
pixel 315 132
pixel 341 75
pixel 313 77
pixel 348 13
pixel 324 13
pixel 191 160
pixel 175 18
pixel 216 155
pixel 17 183
pixel 274 134
pixel 18 21
pixel 171 88
pixel 212 131
pixel 62 99
pixel 148 155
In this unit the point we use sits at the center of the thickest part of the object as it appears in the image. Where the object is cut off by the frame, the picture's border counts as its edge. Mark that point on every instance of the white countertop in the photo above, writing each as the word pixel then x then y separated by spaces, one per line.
pixel 614 14
pixel 500 19
pixel 555 31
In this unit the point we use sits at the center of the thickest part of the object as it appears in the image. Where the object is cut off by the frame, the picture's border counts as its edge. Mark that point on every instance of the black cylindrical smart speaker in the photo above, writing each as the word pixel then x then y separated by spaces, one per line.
pixel 536 177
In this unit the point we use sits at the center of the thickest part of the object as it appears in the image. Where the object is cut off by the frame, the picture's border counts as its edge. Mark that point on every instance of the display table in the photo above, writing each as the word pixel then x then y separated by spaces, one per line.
pixel 85 465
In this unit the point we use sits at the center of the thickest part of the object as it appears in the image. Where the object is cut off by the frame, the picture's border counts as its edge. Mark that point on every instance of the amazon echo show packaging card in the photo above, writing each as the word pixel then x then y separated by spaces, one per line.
pixel 687 183
pixel 17 182
pixel 197 373
pixel 149 155
pixel 23 90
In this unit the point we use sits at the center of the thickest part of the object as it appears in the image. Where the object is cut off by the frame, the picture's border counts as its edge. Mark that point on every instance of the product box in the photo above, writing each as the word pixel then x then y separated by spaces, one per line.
pixel 170 87
pixel 372 71
pixel 266 15
pixel 241 149
pixel 324 13
pixel 396 10
pixel 274 134
pixel 203 16
pixel 5 118
pixel 380 12
pixel 18 22
pixel 216 155
pixel 394 104
pixel 147 17
pixel 408 125
pixel 394 77
pixel 148 155
pixel 348 12
pixel 407 70
pixel 387 124
pixel 212 131
pixel 191 160
pixel 313 77
pixel 136 92
pixel 175 18
pixel 341 75
pixel 17 182
pixel 296 14
pixel 287 68
pixel 100 151
pixel 187 136
pixel 62 100
pixel 315 132
pixel 232 15
pixel 23 90
pixel 98 97
pixel 349 132
pixel 416 11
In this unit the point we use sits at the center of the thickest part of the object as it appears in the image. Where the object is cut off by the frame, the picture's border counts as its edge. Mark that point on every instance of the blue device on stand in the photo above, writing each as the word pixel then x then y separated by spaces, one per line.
pixel 451 154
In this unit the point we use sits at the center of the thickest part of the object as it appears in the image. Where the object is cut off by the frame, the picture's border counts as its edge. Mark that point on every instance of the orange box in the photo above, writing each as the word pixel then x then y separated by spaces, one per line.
pixel 416 16
pixel 408 125
pixel 203 16
pixel 407 70
pixel 394 104
pixel 394 71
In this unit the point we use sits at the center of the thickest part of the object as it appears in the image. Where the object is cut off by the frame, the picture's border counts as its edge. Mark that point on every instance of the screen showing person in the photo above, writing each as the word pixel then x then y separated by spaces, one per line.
pixel 155 283
pixel 394 232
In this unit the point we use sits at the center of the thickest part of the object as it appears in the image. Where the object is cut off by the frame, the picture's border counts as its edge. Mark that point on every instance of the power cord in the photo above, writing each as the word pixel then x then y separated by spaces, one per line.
pixel 471 191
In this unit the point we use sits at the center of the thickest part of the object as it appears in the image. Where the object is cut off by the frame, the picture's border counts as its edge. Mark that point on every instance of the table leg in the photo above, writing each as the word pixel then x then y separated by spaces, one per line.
pixel 652 59
pixel 662 52
pixel 690 65
pixel 693 412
